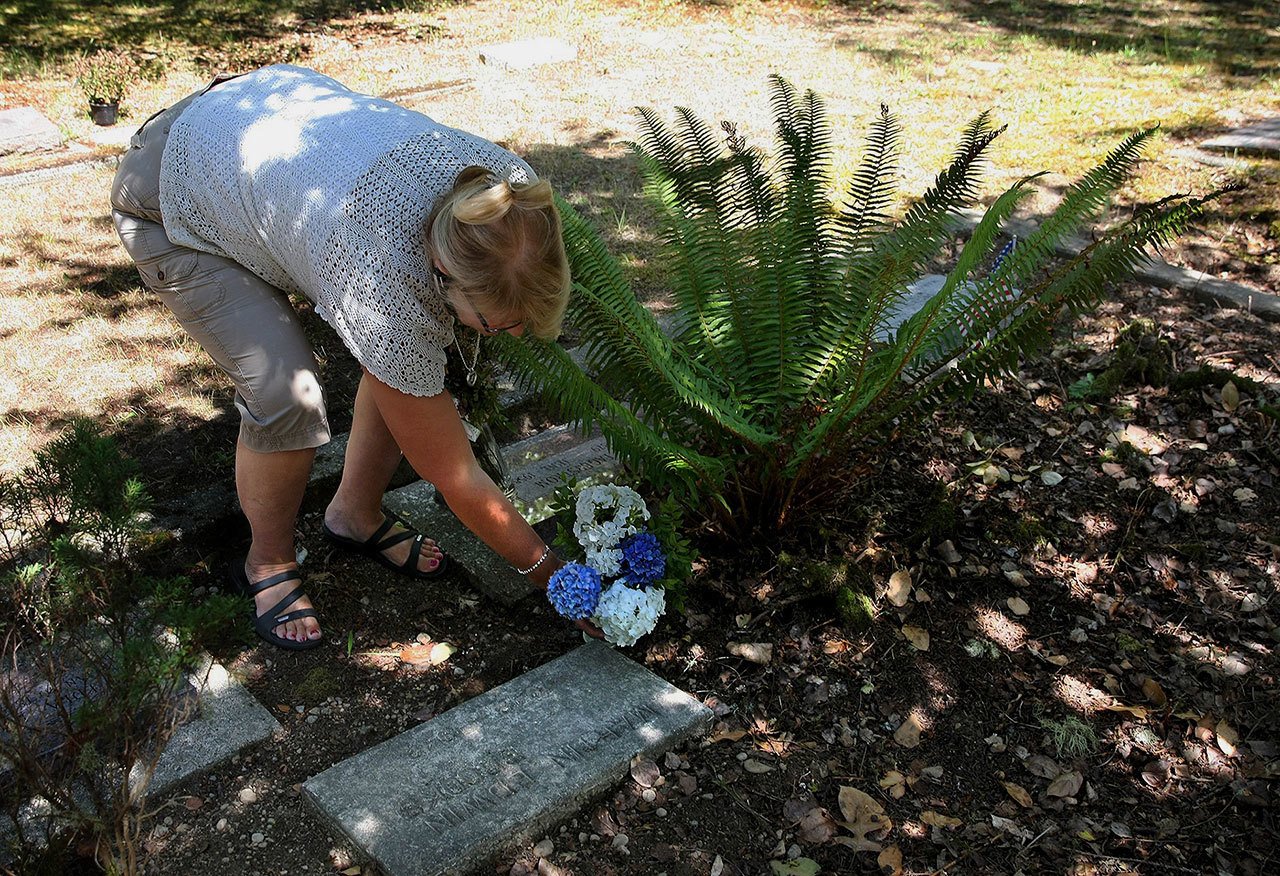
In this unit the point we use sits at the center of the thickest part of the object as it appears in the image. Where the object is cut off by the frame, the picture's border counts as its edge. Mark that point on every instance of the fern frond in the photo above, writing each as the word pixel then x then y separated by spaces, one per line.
pixel 544 367
pixel 629 352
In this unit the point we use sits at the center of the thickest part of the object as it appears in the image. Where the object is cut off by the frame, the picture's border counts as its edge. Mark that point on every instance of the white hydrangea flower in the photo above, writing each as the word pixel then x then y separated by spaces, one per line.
pixel 606 561
pixel 594 534
pixel 627 613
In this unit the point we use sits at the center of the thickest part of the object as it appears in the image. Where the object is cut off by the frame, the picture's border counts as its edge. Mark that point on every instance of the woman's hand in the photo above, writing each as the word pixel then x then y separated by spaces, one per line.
pixel 590 629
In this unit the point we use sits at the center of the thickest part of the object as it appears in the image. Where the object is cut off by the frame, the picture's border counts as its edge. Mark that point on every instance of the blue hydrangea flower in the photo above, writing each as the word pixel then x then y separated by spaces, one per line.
pixel 643 559
pixel 574 591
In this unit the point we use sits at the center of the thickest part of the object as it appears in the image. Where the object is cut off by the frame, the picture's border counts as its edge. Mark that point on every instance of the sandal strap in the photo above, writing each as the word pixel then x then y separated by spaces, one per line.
pixel 393 540
pixel 388 523
pixel 279 578
pixel 291 616
pixel 415 550
pixel 279 607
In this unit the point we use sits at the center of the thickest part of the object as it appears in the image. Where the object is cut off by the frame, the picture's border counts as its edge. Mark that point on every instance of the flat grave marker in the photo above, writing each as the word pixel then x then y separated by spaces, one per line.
pixel 444 796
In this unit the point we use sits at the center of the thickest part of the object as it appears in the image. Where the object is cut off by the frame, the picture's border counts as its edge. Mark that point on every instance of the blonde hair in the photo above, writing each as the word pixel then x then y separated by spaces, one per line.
pixel 501 243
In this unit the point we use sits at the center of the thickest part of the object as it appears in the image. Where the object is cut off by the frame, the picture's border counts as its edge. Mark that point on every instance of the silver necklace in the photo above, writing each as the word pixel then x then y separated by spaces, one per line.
pixel 475 359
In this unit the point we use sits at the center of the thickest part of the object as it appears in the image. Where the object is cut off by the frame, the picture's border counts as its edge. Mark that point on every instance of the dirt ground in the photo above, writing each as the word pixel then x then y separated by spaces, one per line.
pixel 1079 678
pixel 1096 690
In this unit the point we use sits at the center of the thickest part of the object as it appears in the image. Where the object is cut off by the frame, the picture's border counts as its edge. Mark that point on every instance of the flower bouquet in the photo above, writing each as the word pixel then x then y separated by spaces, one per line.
pixel 620 584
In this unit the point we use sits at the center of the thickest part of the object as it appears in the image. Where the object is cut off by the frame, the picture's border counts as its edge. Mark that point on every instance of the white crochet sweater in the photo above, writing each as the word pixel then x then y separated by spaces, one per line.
pixel 326 192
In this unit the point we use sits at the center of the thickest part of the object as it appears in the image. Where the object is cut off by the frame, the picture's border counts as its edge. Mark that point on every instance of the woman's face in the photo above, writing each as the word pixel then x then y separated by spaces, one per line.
pixel 466 313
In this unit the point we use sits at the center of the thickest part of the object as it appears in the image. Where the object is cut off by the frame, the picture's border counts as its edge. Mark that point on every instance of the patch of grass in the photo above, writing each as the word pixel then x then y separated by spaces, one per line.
pixel 1071 737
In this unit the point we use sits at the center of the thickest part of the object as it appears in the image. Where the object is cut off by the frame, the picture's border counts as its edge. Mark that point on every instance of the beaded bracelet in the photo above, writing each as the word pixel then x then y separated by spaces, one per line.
pixel 546 552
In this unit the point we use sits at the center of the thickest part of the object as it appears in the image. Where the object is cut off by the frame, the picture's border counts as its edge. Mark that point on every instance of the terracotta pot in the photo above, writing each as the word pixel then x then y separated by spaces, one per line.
pixel 104 112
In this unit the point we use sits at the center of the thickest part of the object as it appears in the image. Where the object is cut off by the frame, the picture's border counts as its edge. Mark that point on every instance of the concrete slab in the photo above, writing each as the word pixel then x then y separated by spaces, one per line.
pixel 522 54
pixel 26 129
pixel 444 796
pixel 227 719
pixel 1262 138
pixel 484 570
pixel 1158 273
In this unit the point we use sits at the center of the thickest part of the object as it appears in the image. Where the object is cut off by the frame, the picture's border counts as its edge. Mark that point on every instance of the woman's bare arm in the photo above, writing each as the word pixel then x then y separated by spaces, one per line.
pixel 430 434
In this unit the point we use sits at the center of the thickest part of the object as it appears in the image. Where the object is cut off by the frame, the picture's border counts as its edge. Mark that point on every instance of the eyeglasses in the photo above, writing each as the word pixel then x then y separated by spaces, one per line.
pixel 442 282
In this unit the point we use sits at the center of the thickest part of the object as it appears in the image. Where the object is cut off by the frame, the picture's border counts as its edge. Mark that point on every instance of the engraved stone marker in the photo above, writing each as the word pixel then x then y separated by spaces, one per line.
pixel 1263 137
pixel 538 463
pixel 227 720
pixel 483 569
pixel 444 796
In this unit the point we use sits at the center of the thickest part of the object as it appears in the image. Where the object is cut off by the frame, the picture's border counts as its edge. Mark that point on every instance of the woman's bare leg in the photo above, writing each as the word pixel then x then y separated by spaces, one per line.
pixel 371 459
pixel 270 486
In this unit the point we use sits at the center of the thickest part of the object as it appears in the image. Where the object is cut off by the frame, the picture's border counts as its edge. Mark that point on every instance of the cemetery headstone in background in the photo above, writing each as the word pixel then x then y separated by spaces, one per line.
pixel 25 129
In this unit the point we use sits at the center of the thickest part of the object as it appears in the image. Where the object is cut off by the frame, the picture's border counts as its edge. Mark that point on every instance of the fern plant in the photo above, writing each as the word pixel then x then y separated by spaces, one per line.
pixel 787 360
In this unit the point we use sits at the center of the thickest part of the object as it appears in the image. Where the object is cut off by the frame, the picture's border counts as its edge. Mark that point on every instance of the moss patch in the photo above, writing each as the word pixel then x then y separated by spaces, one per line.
pixel 855 609
pixel 318 685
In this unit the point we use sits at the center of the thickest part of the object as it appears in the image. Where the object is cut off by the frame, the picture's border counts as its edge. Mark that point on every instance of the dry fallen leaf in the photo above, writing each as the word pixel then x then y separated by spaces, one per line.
pixel 717 866
pixel 1228 739
pixel 890 861
pixel 755 767
pixel 895 783
pixel 1135 711
pixel 440 652
pixel 1230 397
pixel 756 652
pixel 798 867
pixel 918 638
pixel 726 735
pixel 1010 826
pixel 645 772
pixel 1152 690
pixel 862 815
pixel 817 826
pixel 1018 793
pixel 1018 606
pixel 416 655
pixel 908 733
pixel 937 819
pixel 1066 785
pixel 899 587
pixel 1043 766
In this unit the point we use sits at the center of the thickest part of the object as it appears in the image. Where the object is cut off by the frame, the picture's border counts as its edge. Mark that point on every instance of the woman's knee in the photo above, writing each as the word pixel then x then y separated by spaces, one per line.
pixel 286 414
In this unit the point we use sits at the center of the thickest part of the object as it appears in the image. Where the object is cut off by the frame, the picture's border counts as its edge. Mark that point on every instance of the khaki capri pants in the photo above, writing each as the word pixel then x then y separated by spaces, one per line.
pixel 247 326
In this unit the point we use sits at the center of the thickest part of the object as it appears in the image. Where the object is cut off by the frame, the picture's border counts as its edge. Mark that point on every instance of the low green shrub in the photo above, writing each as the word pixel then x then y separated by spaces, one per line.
pixel 98 646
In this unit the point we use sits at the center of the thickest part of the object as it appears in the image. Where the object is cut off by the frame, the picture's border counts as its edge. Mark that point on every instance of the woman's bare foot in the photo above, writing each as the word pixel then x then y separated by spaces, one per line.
pixel 300 630
pixel 348 526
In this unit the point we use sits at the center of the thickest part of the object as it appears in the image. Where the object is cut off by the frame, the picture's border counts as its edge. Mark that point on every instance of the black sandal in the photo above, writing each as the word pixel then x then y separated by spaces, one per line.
pixel 264 624
pixel 374 545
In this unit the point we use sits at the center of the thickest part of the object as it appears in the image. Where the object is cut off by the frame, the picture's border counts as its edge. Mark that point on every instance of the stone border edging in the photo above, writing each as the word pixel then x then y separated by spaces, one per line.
pixel 1264 305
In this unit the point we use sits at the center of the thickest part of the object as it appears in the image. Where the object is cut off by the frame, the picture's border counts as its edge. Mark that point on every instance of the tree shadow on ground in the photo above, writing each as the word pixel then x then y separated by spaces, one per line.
pixel 53 30
pixel 1237 36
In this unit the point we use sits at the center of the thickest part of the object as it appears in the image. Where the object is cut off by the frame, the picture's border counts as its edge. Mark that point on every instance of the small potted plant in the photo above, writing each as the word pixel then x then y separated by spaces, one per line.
pixel 105 77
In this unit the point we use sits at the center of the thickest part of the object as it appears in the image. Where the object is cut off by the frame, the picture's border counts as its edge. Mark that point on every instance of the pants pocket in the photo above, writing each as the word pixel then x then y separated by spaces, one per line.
pixel 163 265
